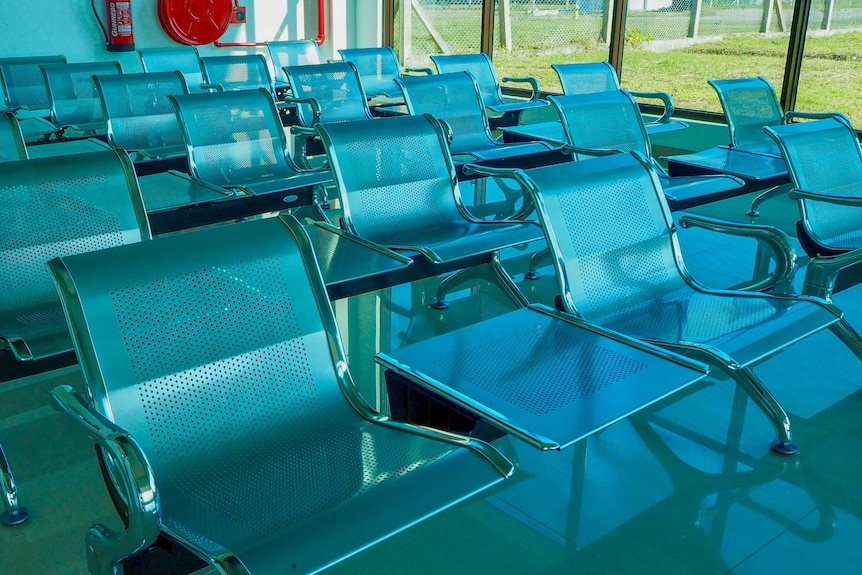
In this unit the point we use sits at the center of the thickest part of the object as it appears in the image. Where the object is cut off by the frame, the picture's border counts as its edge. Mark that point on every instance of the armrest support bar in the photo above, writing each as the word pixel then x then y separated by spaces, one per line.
pixel 137 488
pixel 533 82
pixel 776 240
pixel 508 173
pixel 822 271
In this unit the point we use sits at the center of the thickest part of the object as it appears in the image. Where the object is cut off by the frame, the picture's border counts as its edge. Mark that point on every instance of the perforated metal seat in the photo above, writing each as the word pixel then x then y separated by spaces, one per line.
pixel 337 97
pixel 139 115
pixel 591 77
pixel 293 53
pixel 482 70
pixel 73 95
pixel 824 161
pixel 235 140
pixel 455 99
pixel 12 145
pixel 749 104
pixel 608 121
pixel 54 207
pixel 630 278
pixel 23 82
pixel 377 68
pixel 237 72
pixel 182 58
pixel 398 188
pixel 236 428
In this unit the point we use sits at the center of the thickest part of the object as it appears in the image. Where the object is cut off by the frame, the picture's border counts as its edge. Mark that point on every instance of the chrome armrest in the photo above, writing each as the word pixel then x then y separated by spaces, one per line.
pixel 571 150
pixel 776 240
pixel 315 106
pixel 792 116
pixel 211 87
pixel 133 480
pixel 822 271
pixel 307 131
pixel 666 100
pixel 798 194
pixel 426 71
pixel 533 82
pixel 515 174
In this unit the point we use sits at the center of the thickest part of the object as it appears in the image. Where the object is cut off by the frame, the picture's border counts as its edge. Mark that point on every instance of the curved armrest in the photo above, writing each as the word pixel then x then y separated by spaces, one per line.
pixel 569 149
pixel 426 71
pixel 793 115
pixel 666 100
pixel 314 104
pixel 822 271
pixel 303 131
pixel 508 173
pixel 534 85
pixel 798 194
pixel 136 485
pixel 216 87
pixel 785 256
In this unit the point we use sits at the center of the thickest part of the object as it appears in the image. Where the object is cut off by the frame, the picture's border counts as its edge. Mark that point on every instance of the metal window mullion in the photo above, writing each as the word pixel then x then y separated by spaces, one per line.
pixel 486 43
pixel 616 45
pixel 795 51
pixel 388 22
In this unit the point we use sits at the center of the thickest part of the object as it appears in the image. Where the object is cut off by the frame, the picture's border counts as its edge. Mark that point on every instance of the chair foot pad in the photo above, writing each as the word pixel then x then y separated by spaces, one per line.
pixel 17 518
pixel 783 448
pixel 440 304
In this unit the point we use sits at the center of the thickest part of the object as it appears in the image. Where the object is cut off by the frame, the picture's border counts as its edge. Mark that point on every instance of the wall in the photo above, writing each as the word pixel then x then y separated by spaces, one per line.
pixel 68 27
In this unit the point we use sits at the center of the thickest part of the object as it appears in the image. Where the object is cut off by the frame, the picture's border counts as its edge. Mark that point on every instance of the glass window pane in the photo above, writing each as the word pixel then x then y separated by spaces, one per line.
pixel 668 49
pixel 831 75
pixel 436 27
pixel 530 35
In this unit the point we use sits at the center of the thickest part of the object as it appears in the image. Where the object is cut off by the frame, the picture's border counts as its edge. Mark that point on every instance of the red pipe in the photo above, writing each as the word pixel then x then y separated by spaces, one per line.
pixel 319 39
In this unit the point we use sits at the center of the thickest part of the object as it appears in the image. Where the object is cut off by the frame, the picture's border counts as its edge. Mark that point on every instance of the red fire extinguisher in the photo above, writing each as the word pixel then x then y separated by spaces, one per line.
pixel 118 30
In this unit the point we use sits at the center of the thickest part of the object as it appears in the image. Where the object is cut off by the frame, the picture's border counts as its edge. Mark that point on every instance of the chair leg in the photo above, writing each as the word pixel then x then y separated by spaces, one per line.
pixel 498 276
pixel 535 261
pixel 767 403
pixel 14 513
pixel 848 336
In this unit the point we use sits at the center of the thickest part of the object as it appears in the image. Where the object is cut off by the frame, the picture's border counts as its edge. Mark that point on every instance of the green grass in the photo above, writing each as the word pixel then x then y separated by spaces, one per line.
pixel 831 75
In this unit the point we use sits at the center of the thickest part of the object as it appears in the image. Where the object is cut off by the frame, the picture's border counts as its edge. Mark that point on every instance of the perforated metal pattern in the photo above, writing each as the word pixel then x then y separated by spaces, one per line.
pixel 299 53
pixel 749 104
pixel 377 67
pixel 392 178
pixel 46 220
pixel 236 72
pixel 25 83
pixel 244 423
pixel 479 67
pixel 563 368
pixel 608 120
pixel 336 89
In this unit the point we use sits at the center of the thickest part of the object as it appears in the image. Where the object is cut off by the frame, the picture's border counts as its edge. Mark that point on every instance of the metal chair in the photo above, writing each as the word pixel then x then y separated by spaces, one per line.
pixel 234 140
pixel 323 93
pixel 139 116
pixel 605 122
pixel 455 98
pixel 378 68
pixel 626 273
pixel 749 105
pixel 74 99
pixel 12 145
pixel 54 207
pixel 225 413
pixel 824 161
pixel 23 83
pixel 293 53
pixel 398 188
pixel 237 72
pixel 185 59
pixel 482 69
pixel 591 77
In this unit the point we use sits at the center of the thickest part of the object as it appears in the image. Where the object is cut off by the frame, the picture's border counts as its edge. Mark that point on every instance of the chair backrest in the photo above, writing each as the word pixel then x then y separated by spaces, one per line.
pixel 293 53
pixel 237 72
pixel 185 59
pixel 137 111
pixel 587 77
pixel 218 351
pixel 824 156
pixel 12 145
pixel 392 173
pixel 72 92
pixel 55 207
pixel 606 264
pixel 233 138
pixel 454 98
pixel 480 67
pixel 377 67
pixel 336 88
pixel 602 120
pixel 749 104
pixel 23 82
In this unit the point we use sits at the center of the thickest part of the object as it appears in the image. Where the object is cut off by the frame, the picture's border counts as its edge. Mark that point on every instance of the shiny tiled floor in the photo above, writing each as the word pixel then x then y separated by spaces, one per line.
pixel 688 486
